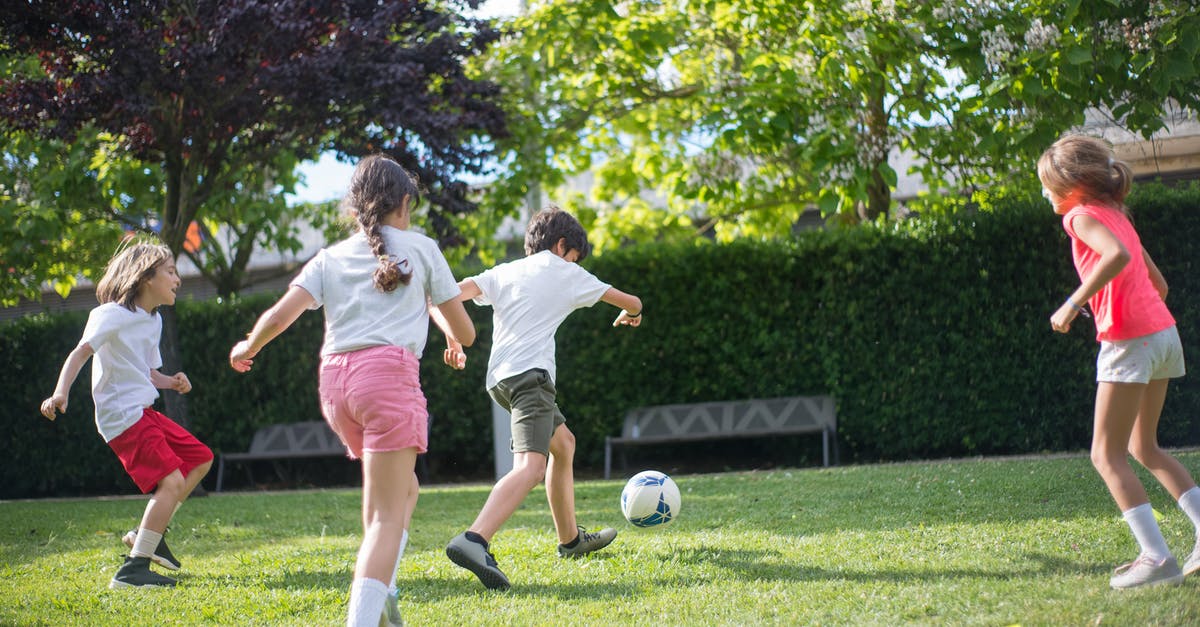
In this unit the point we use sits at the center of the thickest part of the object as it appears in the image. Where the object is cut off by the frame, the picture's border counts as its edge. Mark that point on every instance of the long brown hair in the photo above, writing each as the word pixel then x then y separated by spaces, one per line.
pixel 1077 164
pixel 128 270
pixel 378 187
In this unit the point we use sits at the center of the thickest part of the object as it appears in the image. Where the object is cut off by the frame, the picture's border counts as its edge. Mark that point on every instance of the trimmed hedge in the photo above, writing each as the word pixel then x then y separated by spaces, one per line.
pixel 933 336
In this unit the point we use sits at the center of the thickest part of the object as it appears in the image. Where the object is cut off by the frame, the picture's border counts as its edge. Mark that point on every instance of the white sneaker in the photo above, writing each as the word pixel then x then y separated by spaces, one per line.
pixel 1145 571
pixel 1192 563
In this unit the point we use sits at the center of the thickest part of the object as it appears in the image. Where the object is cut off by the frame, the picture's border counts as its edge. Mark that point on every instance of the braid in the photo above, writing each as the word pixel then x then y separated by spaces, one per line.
pixel 379 187
pixel 388 275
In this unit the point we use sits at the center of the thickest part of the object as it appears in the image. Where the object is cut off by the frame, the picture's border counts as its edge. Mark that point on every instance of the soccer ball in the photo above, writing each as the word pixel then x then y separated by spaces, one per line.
pixel 650 498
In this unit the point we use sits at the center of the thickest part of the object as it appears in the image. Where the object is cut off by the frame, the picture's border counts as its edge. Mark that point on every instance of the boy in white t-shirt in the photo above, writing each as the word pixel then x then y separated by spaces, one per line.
pixel 531 298
pixel 159 455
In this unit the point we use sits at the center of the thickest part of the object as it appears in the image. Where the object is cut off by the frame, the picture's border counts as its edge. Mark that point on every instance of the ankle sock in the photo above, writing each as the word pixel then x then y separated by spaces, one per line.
pixel 476 538
pixel 1145 530
pixel 366 602
pixel 573 543
pixel 1189 502
pixel 145 543
pixel 399 556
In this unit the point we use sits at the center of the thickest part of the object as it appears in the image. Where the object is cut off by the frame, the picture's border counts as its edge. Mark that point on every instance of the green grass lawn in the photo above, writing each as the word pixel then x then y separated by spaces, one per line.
pixel 991 542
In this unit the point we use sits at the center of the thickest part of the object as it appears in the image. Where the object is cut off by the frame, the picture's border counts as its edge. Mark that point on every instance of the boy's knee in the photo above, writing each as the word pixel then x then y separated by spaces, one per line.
pixel 171 485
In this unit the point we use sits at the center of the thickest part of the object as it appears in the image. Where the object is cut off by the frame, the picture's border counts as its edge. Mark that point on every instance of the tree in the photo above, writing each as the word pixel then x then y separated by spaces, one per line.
pixel 207 89
pixel 736 117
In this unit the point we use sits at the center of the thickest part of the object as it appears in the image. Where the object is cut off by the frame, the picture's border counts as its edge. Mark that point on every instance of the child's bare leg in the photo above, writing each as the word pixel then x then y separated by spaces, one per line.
pixel 529 468
pixel 560 484
pixel 162 504
pixel 1143 444
pixel 1117 406
pixel 386 484
pixel 192 479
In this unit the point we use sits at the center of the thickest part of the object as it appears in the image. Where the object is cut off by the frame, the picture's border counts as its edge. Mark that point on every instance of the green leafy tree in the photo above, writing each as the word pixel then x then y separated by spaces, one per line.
pixel 735 117
pixel 207 90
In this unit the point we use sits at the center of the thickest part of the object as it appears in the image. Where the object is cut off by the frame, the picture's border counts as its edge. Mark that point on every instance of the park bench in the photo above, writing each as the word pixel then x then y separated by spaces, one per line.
pixel 297 440
pixel 664 424
pixel 286 441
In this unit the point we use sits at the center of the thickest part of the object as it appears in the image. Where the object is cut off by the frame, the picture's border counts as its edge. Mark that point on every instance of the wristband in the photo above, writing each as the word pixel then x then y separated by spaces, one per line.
pixel 636 315
pixel 1078 309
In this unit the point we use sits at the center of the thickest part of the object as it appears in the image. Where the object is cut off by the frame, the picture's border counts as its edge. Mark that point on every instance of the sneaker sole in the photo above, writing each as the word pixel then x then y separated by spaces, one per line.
pixel 161 561
pixel 490 579
pixel 120 585
pixel 1169 581
pixel 1192 569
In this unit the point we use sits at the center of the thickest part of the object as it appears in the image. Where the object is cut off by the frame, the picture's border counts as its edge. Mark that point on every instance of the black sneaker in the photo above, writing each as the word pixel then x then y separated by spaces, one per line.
pixel 136 573
pixel 588 542
pixel 476 558
pixel 162 555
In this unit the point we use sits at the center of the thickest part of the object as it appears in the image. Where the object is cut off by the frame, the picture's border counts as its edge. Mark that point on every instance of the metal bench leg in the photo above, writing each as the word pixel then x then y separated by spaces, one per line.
pixel 607 458
pixel 220 471
pixel 825 445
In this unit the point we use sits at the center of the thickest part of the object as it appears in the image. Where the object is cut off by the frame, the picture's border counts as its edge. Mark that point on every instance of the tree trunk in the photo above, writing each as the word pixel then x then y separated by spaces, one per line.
pixel 174 402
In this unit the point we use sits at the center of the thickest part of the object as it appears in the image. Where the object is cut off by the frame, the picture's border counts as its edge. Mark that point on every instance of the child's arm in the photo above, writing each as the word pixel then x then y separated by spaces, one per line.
pixel 178 381
pixel 1156 277
pixel 66 378
pixel 271 323
pixel 1113 258
pixel 447 317
pixel 631 307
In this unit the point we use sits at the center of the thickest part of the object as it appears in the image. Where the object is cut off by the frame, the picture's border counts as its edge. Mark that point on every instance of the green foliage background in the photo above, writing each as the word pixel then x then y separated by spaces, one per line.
pixel 933 336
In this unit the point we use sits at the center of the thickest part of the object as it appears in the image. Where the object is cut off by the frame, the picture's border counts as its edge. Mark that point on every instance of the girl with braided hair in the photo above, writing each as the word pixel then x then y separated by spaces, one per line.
pixel 379 288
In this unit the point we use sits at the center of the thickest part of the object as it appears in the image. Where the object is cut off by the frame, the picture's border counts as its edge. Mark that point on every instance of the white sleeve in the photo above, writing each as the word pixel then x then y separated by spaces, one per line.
pixel 440 284
pixel 486 282
pixel 153 352
pixel 312 279
pixel 101 327
pixel 587 288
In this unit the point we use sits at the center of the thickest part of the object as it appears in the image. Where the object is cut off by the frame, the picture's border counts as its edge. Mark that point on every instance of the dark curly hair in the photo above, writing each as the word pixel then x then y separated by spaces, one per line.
pixel 552 224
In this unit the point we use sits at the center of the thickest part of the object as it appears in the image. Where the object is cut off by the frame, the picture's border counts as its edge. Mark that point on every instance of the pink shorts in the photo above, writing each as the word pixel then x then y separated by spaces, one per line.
pixel 155 447
pixel 372 399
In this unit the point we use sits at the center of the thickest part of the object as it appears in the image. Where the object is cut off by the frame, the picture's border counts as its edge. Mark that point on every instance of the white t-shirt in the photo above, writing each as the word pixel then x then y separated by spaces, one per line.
pixel 126 349
pixel 531 297
pixel 357 314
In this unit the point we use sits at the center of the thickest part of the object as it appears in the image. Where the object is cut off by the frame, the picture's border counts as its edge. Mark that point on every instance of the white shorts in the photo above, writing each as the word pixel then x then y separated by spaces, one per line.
pixel 1141 359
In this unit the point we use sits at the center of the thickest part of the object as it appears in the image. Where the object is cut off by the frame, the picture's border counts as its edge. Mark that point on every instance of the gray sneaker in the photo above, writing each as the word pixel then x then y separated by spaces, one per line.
pixel 588 542
pixel 162 555
pixel 476 558
pixel 136 573
pixel 391 612
pixel 1192 563
pixel 1145 571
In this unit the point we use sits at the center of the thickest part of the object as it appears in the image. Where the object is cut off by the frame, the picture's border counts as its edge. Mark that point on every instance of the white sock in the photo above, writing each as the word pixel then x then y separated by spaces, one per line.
pixel 1146 531
pixel 1190 504
pixel 399 556
pixel 145 543
pixel 366 603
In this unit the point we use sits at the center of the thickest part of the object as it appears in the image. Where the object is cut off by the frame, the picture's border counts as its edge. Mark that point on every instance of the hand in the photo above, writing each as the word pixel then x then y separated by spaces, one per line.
pixel 180 383
pixel 56 402
pixel 240 358
pixel 454 356
pixel 625 319
pixel 1061 320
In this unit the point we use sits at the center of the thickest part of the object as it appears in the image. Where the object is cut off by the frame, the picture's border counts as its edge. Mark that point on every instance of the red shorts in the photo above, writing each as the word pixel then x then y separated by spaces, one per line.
pixel 155 447
pixel 372 399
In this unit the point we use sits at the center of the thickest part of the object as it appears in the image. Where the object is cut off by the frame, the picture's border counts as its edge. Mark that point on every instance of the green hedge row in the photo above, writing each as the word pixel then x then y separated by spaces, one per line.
pixel 933 336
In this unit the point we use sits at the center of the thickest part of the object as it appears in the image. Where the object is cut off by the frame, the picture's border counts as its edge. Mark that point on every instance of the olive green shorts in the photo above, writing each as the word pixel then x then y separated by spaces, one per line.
pixel 529 397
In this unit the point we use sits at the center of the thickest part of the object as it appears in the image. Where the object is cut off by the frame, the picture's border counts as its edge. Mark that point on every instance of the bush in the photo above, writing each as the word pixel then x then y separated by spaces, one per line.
pixel 932 335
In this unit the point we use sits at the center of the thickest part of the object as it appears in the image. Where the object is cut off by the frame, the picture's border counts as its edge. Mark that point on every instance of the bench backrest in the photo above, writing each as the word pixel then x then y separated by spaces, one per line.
pixel 298 437
pixel 765 416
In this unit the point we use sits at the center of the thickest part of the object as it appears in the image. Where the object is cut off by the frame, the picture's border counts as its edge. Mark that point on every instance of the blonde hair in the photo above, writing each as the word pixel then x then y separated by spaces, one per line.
pixel 1085 166
pixel 378 187
pixel 128 270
